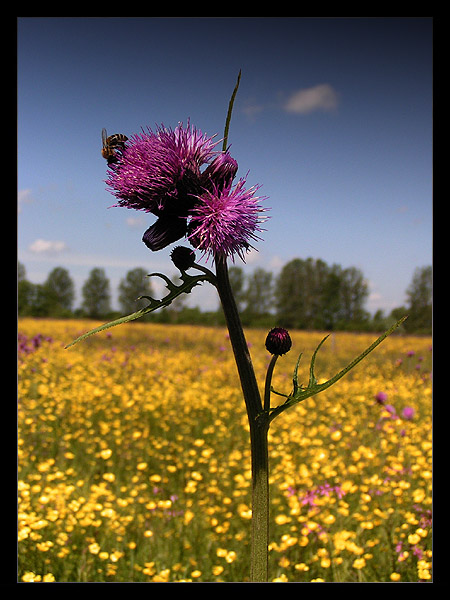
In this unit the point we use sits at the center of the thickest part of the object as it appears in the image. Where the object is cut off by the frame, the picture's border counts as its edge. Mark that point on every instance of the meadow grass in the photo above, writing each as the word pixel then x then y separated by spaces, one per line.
pixel 134 458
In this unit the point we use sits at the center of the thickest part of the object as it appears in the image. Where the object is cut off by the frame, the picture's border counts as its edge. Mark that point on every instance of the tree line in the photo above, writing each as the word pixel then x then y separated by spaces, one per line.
pixel 307 294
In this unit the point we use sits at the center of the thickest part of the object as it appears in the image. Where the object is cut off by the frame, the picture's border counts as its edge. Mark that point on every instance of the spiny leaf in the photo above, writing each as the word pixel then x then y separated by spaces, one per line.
pixel 299 393
pixel 188 282
pixel 295 376
pixel 312 377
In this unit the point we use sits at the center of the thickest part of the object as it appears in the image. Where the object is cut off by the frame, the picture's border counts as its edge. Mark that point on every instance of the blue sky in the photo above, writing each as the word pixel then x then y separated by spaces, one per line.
pixel 333 118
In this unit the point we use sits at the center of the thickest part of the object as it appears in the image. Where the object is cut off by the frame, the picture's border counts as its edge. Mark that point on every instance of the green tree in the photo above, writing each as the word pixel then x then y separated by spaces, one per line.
pixel 237 282
pixel 96 294
pixel 136 283
pixel 26 292
pixel 21 272
pixel 289 295
pixel 300 294
pixel 258 295
pixel 353 294
pixel 311 295
pixel 316 278
pixel 419 301
pixel 42 299
pixel 42 305
pixel 331 301
pixel 60 291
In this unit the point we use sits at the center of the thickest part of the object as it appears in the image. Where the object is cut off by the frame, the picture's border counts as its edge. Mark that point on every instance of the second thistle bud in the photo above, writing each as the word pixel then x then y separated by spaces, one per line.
pixel 183 258
pixel 278 341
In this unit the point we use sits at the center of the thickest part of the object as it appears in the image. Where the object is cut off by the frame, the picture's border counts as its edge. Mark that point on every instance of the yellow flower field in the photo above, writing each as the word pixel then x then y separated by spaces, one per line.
pixel 134 458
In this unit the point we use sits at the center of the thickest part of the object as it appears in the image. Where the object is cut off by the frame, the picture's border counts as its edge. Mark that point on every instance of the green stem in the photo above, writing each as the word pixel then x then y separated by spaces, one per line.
pixel 269 381
pixel 230 110
pixel 259 427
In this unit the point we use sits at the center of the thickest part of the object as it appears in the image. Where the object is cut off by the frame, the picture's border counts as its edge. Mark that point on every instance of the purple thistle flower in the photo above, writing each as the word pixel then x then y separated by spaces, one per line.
pixel 225 219
pixel 159 172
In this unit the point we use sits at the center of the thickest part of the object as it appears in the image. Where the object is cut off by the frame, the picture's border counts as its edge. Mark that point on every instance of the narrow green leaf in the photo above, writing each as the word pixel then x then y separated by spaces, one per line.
pixel 230 110
pixel 188 282
pixel 295 376
pixel 312 377
pixel 126 319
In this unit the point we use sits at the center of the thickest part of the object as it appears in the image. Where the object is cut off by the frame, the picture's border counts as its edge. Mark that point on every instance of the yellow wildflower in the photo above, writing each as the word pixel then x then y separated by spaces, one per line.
pixel 359 563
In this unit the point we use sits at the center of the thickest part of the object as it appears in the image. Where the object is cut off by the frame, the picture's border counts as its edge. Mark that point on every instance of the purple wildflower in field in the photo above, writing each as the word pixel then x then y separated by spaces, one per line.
pixel 322 490
pixel 424 514
pixel 408 412
pixel 27 345
pixel 391 410
pixel 381 397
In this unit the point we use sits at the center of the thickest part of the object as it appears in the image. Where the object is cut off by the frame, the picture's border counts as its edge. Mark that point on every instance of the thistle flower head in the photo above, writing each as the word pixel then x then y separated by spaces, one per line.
pixel 159 171
pixel 225 220
pixel 178 176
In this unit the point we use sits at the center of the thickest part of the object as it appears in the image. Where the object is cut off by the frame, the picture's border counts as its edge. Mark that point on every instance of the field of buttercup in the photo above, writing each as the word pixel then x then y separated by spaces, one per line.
pixel 134 458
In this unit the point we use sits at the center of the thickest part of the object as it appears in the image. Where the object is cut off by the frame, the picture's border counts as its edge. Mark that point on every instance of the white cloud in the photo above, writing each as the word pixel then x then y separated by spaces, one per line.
pixel 374 298
pixel 252 256
pixel 251 110
pixel 320 97
pixel 24 197
pixel 135 222
pixel 276 263
pixel 40 246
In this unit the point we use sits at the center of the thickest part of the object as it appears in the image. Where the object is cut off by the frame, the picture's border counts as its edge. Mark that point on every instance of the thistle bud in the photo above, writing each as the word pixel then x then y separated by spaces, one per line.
pixel 220 172
pixel 183 258
pixel 278 341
